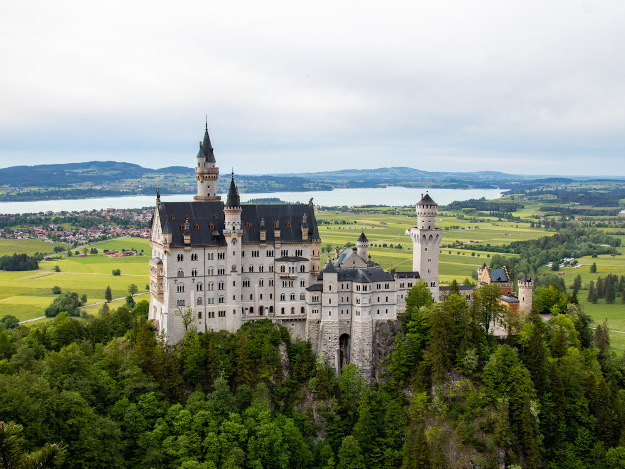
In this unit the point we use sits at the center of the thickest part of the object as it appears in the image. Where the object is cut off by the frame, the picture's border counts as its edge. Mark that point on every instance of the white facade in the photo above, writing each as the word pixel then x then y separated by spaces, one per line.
pixel 217 265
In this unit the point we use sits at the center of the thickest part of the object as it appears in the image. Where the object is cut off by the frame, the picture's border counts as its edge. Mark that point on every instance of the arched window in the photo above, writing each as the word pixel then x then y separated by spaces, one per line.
pixel 180 257
pixel 251 310
pixel 180 273
pixel 303 310
pixel 271 309
pixel 199 303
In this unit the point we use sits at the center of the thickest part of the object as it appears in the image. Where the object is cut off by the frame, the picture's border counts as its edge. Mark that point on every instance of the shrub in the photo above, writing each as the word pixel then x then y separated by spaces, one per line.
pixel 56 290
pixel 117 272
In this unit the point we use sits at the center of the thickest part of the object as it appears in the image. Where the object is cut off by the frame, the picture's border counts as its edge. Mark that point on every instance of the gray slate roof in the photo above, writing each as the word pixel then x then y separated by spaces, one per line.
pixel 498 275
pixel 203 214
pixel 206 149
pixel 368 275
pixel 233 199
pixel 426 200
pixel 407 274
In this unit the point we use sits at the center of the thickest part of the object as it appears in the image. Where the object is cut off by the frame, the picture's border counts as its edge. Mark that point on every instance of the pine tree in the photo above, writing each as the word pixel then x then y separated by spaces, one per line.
pixel 108 295
pixel 609 293
pixel 577 283
pixel 245 372
pixel 593 268
pixel 416 449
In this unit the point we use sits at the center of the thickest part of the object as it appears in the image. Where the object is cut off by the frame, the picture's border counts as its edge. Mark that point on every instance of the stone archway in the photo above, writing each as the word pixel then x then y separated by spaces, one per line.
pixel 344 350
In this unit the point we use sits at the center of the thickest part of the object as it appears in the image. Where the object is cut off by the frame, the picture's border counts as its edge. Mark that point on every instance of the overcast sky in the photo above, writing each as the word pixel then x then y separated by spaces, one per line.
pixel 534 87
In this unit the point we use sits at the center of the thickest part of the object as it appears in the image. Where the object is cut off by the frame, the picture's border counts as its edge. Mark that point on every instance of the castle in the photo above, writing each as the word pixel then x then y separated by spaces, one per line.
pixel 217 265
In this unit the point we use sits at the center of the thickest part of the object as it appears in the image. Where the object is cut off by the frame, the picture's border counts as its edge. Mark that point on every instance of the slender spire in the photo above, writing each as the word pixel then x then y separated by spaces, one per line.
pixel 233 199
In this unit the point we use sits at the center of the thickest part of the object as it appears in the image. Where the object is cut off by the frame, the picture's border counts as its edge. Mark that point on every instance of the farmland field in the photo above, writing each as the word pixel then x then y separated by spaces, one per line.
pixel 27 246
pixel 27 294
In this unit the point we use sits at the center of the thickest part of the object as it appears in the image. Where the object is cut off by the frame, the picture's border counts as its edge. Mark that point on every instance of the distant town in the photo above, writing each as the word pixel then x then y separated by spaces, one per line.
pixel 77 227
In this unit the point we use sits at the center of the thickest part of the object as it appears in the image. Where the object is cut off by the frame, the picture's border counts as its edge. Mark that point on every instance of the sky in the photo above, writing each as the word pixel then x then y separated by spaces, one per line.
pixel 528 87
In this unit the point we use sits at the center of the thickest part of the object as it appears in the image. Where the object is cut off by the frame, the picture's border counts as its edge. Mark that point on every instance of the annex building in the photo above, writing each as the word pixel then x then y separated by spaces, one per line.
pixel 216 265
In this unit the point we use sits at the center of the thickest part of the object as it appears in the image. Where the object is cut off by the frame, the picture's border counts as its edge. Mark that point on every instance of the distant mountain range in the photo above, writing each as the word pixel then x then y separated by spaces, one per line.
pixel 109 178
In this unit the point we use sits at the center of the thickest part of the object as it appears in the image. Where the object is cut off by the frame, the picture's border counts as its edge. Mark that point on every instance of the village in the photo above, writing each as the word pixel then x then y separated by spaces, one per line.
pixel 60 227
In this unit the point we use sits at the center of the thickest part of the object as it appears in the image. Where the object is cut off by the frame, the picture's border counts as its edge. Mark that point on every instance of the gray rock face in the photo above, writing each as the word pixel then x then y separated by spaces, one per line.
pixel 384 334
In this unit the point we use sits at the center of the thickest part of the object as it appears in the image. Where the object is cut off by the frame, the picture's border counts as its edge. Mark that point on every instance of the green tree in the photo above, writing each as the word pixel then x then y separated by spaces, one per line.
pixel 12 454
pixel 9 321
pixel 577 283
pixel 56 290
pixel 593 268
pixel 350 456
pixel 132 289
pixel 108 295
pixel 416 449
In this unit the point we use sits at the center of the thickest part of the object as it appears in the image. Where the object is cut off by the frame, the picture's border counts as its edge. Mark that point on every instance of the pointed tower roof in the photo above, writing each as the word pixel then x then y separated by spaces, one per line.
pixel 426 200
pixel 329 268
pixel 363 238
pixel 206 148
pixel 233 199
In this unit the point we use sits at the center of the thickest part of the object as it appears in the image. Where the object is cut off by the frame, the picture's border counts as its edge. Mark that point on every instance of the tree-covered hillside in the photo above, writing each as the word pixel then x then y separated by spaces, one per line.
pixel 109 393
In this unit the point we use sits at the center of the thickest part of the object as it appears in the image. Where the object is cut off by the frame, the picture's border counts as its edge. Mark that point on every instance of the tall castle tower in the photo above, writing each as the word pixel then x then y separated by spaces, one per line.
pixel 425 240
pixel 233 233
pixel 526 290
pixel 206 172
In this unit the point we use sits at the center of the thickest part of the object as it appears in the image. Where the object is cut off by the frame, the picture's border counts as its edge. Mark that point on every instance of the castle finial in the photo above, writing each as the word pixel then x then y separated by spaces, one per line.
pixel 158 196
pixel 206 122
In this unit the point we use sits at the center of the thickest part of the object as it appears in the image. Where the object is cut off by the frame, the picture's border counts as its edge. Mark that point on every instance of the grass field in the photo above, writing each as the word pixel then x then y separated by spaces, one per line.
pixel 27 294
pixel 27 246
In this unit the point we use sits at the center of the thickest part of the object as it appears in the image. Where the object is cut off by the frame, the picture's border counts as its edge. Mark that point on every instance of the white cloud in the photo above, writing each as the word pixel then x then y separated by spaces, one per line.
pixel 327 84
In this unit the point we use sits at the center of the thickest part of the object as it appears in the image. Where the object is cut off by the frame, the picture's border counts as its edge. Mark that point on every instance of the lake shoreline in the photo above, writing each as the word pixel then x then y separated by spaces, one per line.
pixel 390 196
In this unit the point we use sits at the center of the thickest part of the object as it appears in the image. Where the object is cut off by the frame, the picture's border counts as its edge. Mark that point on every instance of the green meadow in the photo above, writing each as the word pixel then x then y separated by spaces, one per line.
pixel 27 294
pixel 27 246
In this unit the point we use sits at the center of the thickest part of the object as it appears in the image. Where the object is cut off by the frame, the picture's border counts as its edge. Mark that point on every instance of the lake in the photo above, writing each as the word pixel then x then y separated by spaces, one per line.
pixel 394 196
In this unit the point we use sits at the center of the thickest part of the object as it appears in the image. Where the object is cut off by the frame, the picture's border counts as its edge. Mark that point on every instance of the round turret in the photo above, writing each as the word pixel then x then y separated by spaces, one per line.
pixel 362 244
pixel 426 213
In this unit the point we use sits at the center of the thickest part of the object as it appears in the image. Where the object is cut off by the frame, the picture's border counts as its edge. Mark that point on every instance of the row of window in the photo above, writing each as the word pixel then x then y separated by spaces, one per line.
pixel 210 256
pixel 261 312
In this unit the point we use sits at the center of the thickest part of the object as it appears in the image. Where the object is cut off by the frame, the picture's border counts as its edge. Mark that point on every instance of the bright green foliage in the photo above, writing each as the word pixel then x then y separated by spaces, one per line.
pixel 549 300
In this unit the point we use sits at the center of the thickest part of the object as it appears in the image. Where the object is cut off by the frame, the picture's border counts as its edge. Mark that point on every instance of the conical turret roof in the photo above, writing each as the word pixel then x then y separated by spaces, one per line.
pixel 233 199
pixel 206 148
pixel 426 200
pixel 363 238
